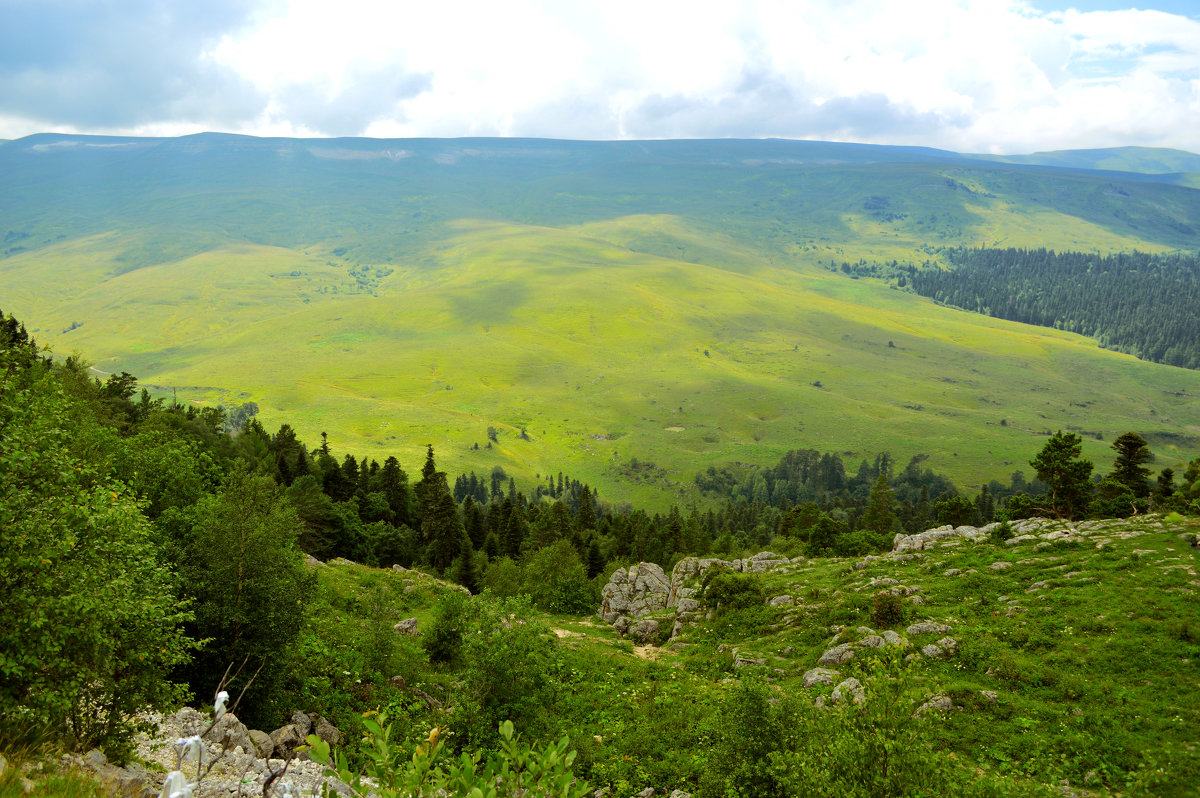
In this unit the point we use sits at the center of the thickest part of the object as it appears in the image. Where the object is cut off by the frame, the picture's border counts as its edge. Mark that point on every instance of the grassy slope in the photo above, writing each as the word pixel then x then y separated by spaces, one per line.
pixel 1093 651
pixel 395 309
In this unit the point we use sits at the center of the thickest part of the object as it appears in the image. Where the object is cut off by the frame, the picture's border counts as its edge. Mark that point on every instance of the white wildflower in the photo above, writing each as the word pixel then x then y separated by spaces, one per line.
pixel 189 748
pixel 219 707
pixel 176 786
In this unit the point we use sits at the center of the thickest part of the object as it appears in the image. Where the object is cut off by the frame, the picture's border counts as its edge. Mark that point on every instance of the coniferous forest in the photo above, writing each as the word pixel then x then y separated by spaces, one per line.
pixel 1134 302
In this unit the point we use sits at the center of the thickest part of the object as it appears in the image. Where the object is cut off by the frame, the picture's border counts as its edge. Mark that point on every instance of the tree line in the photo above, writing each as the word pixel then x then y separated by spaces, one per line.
pixel 1133 302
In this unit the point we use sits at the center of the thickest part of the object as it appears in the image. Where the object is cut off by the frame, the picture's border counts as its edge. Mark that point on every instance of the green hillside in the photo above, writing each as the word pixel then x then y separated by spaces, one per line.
pixel 665 301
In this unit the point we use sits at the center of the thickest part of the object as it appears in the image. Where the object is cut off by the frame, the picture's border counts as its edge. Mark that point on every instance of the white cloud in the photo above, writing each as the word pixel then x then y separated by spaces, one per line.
pixel 970 75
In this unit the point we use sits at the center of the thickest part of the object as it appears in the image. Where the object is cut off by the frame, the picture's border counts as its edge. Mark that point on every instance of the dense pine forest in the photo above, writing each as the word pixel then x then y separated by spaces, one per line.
pixel 148 545
pixel 1133 302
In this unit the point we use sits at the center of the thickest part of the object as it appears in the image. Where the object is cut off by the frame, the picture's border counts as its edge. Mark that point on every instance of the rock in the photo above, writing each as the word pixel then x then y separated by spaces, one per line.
pixel 636 592
pixel 621 624
pixel 928 628
pixel 932 651
pixel 817 676
pixel 893 639
pixel 951 572
pixel 991 696
pixel 782 601
pixel 949 644
pixel 313 562
pixel 399 568
pixel 284 741
pixel 262 743
pixel 742 662
pixel 646 793
pixel 871 641
pixel 680 794
pixel 941 703
pixel 302 722
pixel 916 600
pixel 1000 566
pixel 838 655
pixel 849 690
pixel 407 627
pixel 327 732
pixel 229 733
pixel 686 605
pixel 646 631
pixel 95 760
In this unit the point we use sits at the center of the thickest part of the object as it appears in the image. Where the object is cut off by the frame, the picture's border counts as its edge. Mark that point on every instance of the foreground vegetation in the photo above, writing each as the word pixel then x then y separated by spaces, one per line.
pixel 184 542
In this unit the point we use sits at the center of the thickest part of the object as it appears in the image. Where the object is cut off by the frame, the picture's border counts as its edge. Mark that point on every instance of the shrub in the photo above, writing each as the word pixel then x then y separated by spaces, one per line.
pixel 887 610
pixel 1001 533
pixel 443 639
pixel 726 590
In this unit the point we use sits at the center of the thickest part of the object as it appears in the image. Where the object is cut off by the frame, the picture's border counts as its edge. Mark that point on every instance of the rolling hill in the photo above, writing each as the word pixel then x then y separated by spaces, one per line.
pixel 669 302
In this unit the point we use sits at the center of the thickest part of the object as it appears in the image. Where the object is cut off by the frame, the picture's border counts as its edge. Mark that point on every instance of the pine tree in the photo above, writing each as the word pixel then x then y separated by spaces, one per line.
pixel 595 560
pixel 444 531
pixel 880 516
pixel 393 483
pixel 1132 451
pixel 1066 474
pixel 464 566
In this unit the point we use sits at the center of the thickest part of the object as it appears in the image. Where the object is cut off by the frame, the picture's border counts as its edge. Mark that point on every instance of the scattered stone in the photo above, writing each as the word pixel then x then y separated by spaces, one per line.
pixel 949 644
pixel 263 745
pixel 680 794
pixel 407 627
pixel 817 676
pixel 1000 566
pixel 871 641
pixel 838 655
pixel 893 639
pixel 941 703
pixel 991 696
pixel 742 662
pixel 932 651
pixel 646 793
pixel 850 689
pixel 928 628
pixel 782 601
pixel 951 572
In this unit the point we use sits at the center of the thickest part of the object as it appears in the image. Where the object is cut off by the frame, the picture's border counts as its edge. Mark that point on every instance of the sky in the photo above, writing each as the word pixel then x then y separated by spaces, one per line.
pixel 996 76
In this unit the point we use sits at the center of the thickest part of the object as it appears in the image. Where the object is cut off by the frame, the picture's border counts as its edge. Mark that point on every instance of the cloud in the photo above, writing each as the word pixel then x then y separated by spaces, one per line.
pixel 970 75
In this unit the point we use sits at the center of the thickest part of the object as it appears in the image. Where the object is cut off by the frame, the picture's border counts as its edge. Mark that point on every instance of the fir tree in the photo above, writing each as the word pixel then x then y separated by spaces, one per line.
pixel 1066 474
pixel 1132 451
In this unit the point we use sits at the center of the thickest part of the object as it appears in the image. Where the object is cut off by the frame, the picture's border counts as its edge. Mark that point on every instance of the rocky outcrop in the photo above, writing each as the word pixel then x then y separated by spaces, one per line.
pixel 642 589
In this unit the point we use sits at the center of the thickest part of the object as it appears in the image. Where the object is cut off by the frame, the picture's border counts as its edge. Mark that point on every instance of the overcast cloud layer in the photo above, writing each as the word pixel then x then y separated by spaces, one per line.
pixel 966 75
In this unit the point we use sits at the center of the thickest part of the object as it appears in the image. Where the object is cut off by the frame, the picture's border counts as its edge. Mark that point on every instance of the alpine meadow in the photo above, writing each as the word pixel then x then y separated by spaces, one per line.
pixel 539 467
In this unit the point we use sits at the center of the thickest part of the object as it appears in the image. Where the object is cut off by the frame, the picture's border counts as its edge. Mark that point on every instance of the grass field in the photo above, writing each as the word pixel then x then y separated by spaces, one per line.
pixel 671 311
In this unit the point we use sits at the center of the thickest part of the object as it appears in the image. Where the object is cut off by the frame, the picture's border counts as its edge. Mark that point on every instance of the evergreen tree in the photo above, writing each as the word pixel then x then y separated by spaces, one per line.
pixel 393 483
pixel 443 529
pixel 880 516
pixel 464 566
pixel 1066 474
pixel 595 560
pixel 585 519
pixel 1132 451
pixel 474 522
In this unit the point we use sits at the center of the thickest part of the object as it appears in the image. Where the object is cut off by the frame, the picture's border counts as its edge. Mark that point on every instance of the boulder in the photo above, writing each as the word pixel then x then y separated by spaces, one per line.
pixel 407 627
pixel 838 655
pixel 928 628
pixel 635 592
pixel 645 631
pixel 941 703
pixel 327 732
pixel 932 651
pixel 849 690
pixel 742 662
pixel 949 644
pixel 285 740
pixel 230 733
pixel 782 601
pixel 871 641
pixel 262 743
pixel 893 639
pixel 817 676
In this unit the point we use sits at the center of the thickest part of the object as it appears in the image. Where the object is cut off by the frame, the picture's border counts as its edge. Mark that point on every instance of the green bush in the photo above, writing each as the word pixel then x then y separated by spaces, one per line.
pixel 725 590
pixel 887 611
pixel 90 627
pixel 443 639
